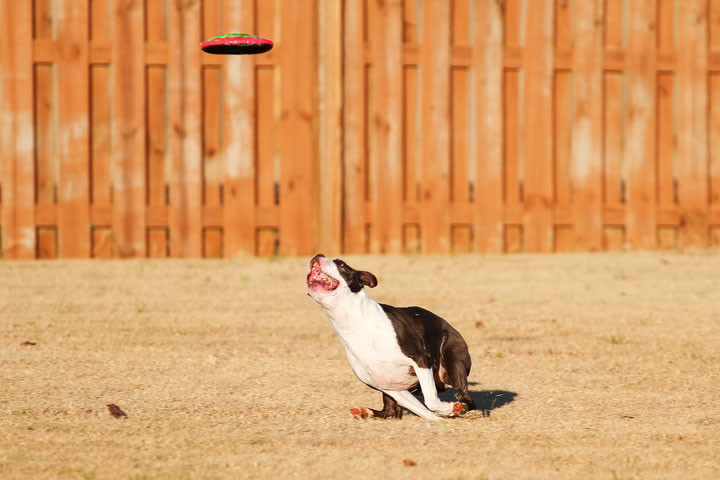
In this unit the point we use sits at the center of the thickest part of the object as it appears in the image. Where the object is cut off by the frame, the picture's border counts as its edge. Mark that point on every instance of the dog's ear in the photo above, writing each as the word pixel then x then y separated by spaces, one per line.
pixel 367 278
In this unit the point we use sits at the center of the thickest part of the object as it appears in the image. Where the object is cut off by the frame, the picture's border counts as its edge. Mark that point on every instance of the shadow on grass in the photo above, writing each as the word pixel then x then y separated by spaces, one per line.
pixel 485 400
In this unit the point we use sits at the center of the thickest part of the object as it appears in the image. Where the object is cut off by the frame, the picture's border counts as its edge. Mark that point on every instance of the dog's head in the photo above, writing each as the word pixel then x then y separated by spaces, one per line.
pixel 328 279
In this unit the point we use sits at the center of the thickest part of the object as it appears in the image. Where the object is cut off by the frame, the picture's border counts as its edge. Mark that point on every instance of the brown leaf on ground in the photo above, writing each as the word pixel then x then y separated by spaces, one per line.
pixel 116 411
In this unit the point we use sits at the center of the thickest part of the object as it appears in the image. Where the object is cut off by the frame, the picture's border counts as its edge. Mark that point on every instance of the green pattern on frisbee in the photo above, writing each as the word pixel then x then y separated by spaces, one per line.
pixel 236 44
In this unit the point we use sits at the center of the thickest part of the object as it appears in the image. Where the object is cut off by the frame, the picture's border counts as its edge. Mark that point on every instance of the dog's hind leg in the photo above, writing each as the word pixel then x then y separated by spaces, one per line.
pixel 391 409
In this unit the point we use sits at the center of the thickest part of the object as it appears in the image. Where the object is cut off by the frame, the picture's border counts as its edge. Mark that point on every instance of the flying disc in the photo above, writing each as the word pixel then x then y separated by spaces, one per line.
pixel 236 44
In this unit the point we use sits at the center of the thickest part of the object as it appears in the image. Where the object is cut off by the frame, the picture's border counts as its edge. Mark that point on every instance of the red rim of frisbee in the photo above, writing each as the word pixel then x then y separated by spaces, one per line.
pixel 236 44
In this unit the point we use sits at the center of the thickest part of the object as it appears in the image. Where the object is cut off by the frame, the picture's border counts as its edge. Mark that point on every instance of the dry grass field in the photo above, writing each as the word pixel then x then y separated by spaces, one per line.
pixel 587 365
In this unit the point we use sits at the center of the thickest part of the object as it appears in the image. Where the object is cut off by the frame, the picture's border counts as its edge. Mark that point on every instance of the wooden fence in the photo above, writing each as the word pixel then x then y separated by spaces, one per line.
pixel 426 126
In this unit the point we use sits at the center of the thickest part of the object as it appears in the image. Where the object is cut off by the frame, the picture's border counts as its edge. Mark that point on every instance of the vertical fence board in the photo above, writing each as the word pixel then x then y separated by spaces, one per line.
pixel 268 164
pixel 640 146
pixel 100 141
pixel 715 139
pixel 586 165
pixel 512 89
pixel 537 128
pixel 128 131
pixel 411 154
pixel 100 153
pixel 562 130
pixel 157 154
pixel 212 169
pixel 185 212
pixel 101 240
pixel 266 138
pixel 73 132
pixel 411 134
pixel 99 21
pixel 239 137
pixel 666 123
pixel 16 131
pixel 666 138
pixel 157 151
pixel 435 58
pixel 297 175
pixel 693 123
pixel 512 194
pixel 45 134
pixel 211 160
pixel 386 122
pixel 460 115
pixel 714 128
pixel 156 78
pixel 354 95
pixel 459 151
pixel 613 127
pixel 488 84
pixel 329 127
pixel 512 21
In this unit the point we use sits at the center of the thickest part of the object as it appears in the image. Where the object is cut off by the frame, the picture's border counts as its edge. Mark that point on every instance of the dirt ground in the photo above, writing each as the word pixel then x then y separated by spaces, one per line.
pixel 587 366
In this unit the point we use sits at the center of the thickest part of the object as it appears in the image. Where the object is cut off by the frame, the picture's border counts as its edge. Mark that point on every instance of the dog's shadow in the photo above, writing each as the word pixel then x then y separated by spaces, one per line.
pixel 485 400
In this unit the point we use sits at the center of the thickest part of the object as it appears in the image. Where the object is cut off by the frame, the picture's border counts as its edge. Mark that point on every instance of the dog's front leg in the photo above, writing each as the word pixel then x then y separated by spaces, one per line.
pixel 432 401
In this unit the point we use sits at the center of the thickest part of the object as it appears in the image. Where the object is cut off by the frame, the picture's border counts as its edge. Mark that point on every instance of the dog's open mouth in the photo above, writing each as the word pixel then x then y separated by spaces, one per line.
pixel 317 278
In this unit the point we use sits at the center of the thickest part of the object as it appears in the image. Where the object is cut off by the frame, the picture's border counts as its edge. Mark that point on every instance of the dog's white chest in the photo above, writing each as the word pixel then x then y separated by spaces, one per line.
pixel 371 346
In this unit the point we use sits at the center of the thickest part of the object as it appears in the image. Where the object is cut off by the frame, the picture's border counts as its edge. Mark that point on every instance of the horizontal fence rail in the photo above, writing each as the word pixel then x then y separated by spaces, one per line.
pixel 383 126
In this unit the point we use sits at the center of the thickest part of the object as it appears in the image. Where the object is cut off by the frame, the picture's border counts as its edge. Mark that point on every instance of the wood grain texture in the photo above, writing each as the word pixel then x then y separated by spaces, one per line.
pixel 537 128
pixel 639 160
pixel 587 128
pixel 354 132
pixel 435 77
pixel 185 93
pixel 693 155
pixel 128 130
pixel 297 144
pixel 488 89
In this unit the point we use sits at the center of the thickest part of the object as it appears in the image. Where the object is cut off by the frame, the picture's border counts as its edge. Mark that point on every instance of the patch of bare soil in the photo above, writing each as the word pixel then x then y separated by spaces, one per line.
pixel 585 365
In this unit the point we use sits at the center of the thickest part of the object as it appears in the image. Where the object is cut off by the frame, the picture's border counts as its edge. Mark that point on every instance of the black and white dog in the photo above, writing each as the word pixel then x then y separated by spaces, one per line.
pixel 398 351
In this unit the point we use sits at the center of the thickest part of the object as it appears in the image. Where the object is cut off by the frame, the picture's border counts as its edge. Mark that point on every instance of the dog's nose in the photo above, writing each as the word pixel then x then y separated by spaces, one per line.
pixel 319 255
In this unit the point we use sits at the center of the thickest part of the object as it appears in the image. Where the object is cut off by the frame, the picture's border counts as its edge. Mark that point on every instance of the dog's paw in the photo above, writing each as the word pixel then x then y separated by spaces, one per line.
pixel 459 408
pixel 451 409
pixel 361 412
